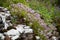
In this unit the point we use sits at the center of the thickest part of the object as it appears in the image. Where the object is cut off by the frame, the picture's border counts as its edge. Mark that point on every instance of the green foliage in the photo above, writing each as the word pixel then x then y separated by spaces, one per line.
pixel 56 18
pixel 4 3
pixel 37 28
pixel 45 8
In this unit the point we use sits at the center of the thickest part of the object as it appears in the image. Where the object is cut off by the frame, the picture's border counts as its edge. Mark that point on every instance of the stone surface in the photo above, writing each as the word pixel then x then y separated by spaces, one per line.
pixel 20 31
pixel 8 32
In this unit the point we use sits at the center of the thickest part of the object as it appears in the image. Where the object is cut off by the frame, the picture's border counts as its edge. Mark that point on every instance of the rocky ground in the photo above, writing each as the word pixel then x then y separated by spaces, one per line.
pixel 9 31
pixel 40 20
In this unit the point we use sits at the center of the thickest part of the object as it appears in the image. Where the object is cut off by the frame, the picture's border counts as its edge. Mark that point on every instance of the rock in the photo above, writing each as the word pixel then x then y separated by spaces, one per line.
pixel 6 25
pixel 3 16
pixel 1 9
pixel 1 23
pixel 20 28
pixel 8 18
pixel 15 37
pixel 28 30
pixel 37 37
pixel 2 36
pixel 5 9
pixel 27 27
pixel 24 28
pixel 54 38
pixel 7 14
pixel 12 32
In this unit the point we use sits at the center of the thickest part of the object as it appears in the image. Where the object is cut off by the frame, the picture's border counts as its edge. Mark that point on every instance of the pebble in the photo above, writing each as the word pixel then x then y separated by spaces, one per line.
pixel 37 37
